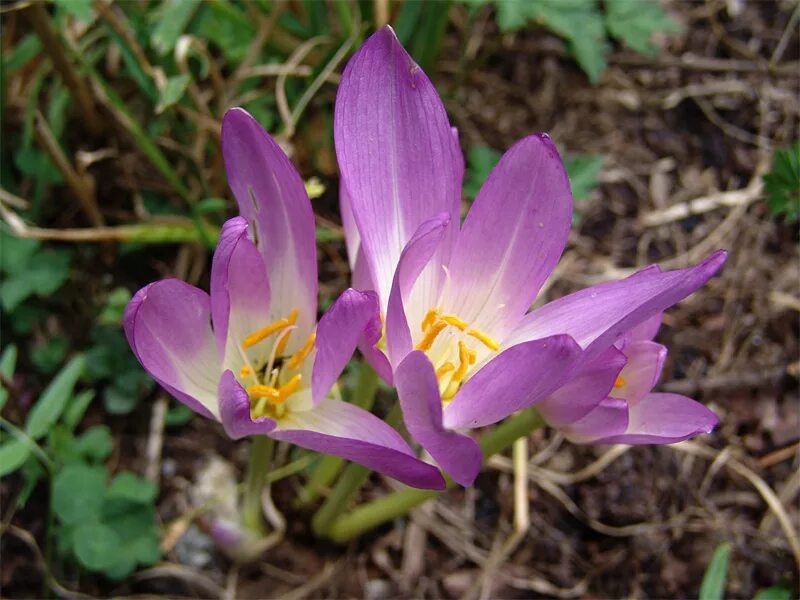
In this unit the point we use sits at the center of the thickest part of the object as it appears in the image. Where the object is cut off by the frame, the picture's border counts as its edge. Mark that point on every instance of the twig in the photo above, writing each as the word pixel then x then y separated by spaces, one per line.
pixel 40 21
pixel 81 186
pixel 706 204
pixel 155 440
pixel 313 584
pixel 769 496
pixel 779 455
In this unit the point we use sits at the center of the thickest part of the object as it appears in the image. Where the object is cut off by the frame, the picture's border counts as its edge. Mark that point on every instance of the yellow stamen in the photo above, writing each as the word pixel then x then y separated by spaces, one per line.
pixel 485 339
pixel 430 335
pixel 264 332
pixel 285 339
pixel 455 322
pixel 245 371
pixel 298 357
pixel 445 369
pixel 289 388
pixel 429 319
pixel 620 382
pixel 263 391
pixel 466 357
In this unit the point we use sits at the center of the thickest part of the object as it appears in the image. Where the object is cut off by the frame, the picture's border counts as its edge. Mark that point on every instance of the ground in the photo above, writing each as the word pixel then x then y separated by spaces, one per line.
pixel 686 136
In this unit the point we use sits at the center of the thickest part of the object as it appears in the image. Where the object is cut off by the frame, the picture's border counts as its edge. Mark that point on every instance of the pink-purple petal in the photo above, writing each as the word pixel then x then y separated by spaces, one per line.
pixel 353 315
pixel 240 293
pixel 418 391
pixel 398 156
pixel 597 316
pixel 342 429
pixel 665 419
pixel 512 237
pixel 234 408
pixel 583 392
pixel 642 371
pixel 272 198
pixel 515 379
pixel 168 326
pixel 413 260
pixel 607 420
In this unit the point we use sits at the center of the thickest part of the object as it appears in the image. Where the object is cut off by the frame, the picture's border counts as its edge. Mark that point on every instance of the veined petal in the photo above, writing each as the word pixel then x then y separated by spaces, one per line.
pixel 641 373
pixel 602 423
pixel 515 379
pixel 582 393
pixel 512 237
pixel 168 326
pixel 647 330
pixel 234 408
pixel 398 156
pixel 418 392
pixel 353 315
pixel 414 259
pixel 361 276
pixel 240 293
pixel 343 429
pixel 597 316
pixel 272 197
pixel 664 419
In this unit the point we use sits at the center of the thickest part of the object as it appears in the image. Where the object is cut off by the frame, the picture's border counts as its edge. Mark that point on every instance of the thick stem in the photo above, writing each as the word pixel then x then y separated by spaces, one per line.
pixel 330 466
pixel 255 480
pixel 397 504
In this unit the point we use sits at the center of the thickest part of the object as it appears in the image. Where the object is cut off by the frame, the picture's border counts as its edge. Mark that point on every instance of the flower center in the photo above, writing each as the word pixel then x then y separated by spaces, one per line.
pixel 453 355
pixel 272 383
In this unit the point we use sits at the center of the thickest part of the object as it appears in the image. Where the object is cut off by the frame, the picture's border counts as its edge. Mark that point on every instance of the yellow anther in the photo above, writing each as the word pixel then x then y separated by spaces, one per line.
pixel 245 371
pixel 281 347
pixel 451 390
pixel 485 339
pixel 430 335
pixel 620 382
pixel 466 357
pixel 430 317
pixel 263 391
pixel 298 357
pixel 455 322
pixel 445 369
pixel 289 388
pixel 264 332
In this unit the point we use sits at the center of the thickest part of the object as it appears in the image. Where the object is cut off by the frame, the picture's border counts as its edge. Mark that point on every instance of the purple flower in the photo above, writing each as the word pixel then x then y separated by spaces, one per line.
pixel 617 386
pixel 459 343
pixel 251 354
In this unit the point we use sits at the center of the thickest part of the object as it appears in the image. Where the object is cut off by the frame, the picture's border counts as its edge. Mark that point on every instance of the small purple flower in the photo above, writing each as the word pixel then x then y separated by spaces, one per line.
pixel 251 354
pixel 617 385
pixel 459 343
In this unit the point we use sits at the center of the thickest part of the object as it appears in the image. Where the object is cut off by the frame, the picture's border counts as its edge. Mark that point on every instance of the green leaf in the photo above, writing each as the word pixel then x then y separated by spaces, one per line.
pixel 713 586
pixel 782 183
pixel 80 9
pixel 171 22
pixel 79 493
pixel 13 454
pixel 43 274
pixel 173 91
pixel 177 415
pixel 47 358
pixel 115 306
pixel 97 546
pixel 21 53
pixel 227 27
pixel 583 171
pixel 128 486
pixel 513 14
pixel 8 364
pixel 51 403
pixel 76 408
pixel 634 22
pixel 775 592
pixel 480 161
pixel 15 252
pixel 95 443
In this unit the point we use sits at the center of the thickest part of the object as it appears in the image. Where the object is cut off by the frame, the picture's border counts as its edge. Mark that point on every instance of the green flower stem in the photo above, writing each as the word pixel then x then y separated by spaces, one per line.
pixel 397 504
pixel 330 466
pixel 256 478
